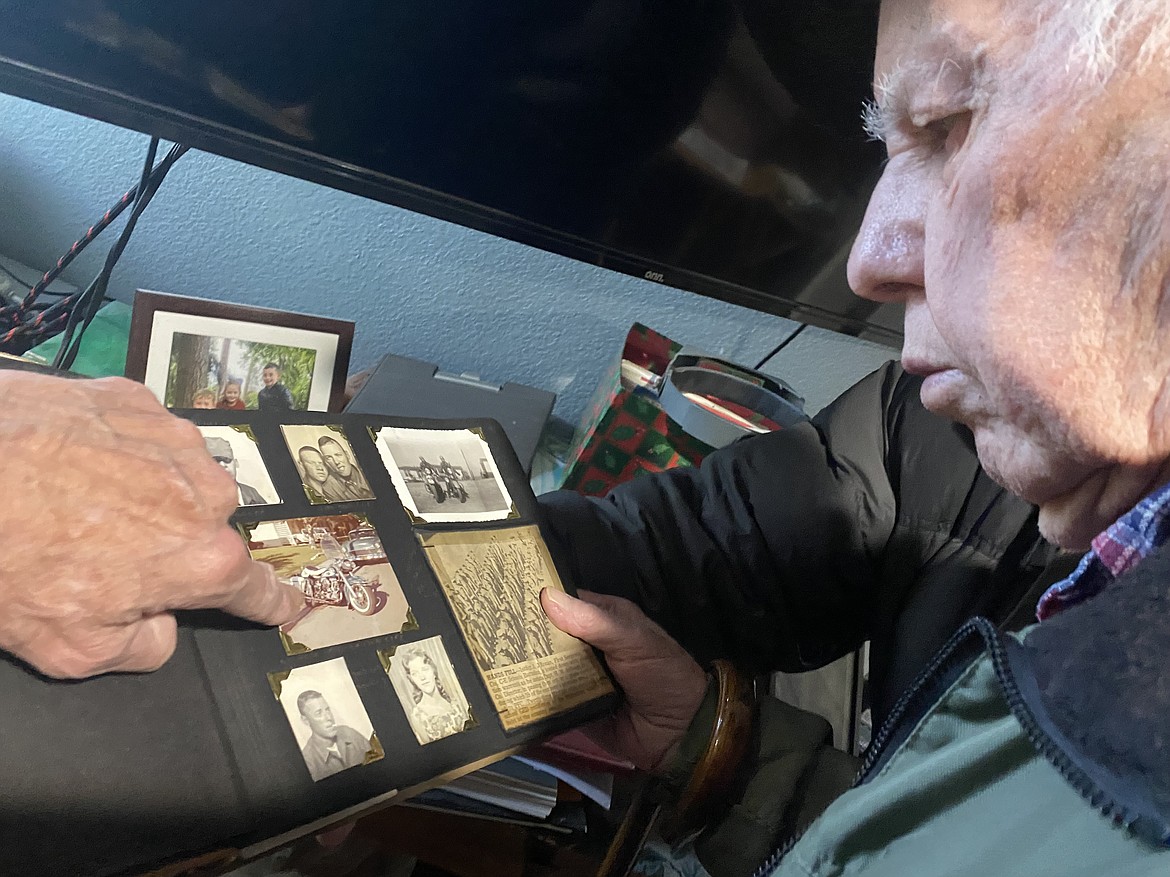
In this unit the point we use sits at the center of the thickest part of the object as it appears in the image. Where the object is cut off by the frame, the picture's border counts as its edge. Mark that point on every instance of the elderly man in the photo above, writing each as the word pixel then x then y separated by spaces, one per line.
pixel 1022 219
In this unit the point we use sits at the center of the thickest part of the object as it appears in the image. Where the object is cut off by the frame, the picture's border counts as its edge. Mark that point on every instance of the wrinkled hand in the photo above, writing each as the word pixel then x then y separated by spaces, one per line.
pixel 116 515
pixel 663 684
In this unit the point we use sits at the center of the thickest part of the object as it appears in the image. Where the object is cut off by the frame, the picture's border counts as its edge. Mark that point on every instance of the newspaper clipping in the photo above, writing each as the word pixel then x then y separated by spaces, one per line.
pixel 493 580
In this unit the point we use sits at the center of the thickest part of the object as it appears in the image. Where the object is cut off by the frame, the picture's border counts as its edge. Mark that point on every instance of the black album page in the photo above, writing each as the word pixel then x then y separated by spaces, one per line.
pixel 422 652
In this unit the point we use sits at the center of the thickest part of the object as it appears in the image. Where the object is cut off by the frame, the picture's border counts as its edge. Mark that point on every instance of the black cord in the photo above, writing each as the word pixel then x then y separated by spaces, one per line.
pixel 89 303
pixel 26 323
pixel 147 168
pixel 59 293
pixel 70 346
pixel 781 345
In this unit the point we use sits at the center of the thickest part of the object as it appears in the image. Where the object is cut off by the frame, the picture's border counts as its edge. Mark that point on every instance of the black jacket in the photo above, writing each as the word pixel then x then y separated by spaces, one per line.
pixel 278 397
pixel 786 551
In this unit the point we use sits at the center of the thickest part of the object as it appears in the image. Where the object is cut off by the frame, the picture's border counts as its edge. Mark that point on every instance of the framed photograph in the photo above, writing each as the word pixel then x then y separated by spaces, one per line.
pixel 444 475
pixel 351 590
pixel 327 716
pixel 492 579
pixel 235 449
pixel 201 353
pixel 326 464
pixel 430 694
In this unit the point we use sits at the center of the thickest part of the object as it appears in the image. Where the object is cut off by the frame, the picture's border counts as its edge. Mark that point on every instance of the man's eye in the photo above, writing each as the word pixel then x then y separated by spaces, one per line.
pixel 950 133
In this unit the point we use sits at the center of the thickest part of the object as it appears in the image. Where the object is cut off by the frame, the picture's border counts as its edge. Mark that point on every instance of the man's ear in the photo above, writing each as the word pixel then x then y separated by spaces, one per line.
pixel 304 718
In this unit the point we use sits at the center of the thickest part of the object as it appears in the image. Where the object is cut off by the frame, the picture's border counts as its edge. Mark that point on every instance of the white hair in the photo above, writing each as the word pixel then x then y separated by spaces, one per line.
pixel 1101 34
pixel 1107 33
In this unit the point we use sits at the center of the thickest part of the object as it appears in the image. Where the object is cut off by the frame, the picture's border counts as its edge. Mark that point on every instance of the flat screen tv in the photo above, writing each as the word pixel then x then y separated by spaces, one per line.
pixel 713 145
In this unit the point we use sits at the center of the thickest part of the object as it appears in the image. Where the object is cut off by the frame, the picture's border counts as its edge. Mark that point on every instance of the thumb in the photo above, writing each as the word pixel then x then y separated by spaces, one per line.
pixel 586 621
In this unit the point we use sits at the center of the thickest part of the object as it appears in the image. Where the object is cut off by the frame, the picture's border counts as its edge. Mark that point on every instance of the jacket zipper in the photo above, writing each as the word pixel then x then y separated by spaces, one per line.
pixel 877 746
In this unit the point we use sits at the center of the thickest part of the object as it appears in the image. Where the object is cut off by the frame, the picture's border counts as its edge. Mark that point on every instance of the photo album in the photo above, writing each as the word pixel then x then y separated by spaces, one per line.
pixel 421 654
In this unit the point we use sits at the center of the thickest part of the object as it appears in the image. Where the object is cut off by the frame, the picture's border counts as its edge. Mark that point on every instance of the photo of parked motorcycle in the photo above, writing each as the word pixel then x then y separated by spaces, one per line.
pixel 339 563
pixel 336 582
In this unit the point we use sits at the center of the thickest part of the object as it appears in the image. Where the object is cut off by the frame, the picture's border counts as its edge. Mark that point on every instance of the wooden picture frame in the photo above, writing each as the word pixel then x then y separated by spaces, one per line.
pixel 178 344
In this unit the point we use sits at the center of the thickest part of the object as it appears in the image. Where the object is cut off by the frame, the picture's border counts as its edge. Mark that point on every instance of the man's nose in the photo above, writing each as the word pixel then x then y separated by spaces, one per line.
pixel 886 263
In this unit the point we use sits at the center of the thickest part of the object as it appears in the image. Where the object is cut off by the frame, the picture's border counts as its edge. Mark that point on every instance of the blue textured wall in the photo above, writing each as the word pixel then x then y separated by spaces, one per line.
pixel 414 285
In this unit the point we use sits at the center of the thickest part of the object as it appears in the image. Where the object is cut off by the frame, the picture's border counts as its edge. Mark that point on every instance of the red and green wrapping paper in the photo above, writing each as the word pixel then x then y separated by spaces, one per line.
pixel 625 433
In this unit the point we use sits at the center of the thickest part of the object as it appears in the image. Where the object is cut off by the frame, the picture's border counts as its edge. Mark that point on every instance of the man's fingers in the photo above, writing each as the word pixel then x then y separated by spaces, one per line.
pixel 236 583
pixel 262 597
pixel 122 393
pixel 567 613
pixel 589 622
pixel 626 610
pixel 150 643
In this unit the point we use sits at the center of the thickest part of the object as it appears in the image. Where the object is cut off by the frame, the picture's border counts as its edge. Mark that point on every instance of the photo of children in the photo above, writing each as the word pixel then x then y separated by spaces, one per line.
pixel 227 373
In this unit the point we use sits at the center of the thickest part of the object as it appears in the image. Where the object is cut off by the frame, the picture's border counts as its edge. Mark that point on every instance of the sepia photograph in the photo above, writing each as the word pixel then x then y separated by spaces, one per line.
pixel 327 717
pixel 325 461
pixel 492 580
pixel 430 694
pixel 235 449
pixel 338 562
pixel 202 353
pixel 444 475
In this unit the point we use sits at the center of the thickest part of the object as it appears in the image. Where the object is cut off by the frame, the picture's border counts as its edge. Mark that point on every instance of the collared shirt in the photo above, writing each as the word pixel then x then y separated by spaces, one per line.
pixel 348 749
pixel 338 489
pixel 1119 549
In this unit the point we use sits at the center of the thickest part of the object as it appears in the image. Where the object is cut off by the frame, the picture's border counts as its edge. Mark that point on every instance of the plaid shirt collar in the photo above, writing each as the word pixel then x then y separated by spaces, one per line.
pixel 1119 549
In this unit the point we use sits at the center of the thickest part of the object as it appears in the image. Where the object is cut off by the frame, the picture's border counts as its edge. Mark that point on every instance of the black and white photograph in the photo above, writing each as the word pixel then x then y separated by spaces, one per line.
pixel 339 563
pixel 235 449
pixel 444 475
pixel 327 717
pixel 426 685
pixel 325 461
pixel 204 353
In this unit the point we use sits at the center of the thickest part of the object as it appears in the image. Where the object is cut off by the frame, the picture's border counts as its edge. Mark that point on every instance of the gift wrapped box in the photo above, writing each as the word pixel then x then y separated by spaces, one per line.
pixel 627 431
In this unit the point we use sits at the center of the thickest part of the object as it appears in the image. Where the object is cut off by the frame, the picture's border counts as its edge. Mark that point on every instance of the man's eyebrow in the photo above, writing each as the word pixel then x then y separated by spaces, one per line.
pixel 878 115
pixel 873 120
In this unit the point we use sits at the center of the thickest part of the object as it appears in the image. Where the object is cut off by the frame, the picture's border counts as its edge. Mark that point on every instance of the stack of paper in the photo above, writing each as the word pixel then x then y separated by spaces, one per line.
pixel 510 784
